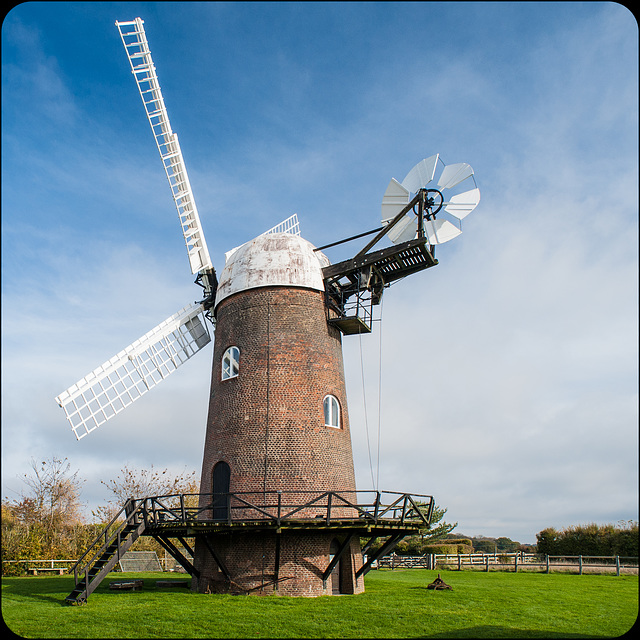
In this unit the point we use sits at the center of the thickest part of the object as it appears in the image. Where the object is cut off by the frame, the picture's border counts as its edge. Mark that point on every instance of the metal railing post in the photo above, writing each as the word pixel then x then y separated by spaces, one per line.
pixel 279 507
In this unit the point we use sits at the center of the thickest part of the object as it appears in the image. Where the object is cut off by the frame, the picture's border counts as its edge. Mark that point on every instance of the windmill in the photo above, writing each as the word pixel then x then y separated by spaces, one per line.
pixel 277 507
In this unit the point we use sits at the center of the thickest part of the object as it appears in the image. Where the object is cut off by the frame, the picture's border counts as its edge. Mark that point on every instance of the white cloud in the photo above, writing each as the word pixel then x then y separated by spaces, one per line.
pixel 509 381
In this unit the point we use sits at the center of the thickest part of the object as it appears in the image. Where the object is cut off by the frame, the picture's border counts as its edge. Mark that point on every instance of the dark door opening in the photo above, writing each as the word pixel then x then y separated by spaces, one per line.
pixel 220 481
pixel 337 570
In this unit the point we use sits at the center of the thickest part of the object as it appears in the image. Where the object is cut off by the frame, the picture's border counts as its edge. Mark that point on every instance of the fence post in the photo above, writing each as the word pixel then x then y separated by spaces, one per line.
pixel 580 565
pixel 486 562
pixel 547 563
pixel 459 563
pixel 617 565
pixel 516 563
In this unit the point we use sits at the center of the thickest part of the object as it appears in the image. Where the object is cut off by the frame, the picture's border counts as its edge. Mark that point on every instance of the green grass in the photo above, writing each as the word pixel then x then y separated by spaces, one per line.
pixel 396 605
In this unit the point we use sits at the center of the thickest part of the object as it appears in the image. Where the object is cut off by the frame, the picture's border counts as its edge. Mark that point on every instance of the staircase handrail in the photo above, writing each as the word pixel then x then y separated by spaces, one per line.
pixel 139 507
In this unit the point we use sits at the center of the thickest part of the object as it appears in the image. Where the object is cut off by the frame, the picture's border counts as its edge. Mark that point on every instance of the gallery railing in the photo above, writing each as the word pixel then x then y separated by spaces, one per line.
pixel 278 507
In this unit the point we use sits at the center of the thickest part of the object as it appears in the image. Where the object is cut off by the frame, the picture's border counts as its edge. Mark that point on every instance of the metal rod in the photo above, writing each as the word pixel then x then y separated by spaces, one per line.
pixel 277 561
pixel 336 557
pixel 360 235
pixel 392 224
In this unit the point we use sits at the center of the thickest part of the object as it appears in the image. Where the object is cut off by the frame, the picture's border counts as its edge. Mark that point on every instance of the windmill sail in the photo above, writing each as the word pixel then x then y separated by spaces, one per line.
pixel 290 225
pixel 127 376
pixel 421 176
pixel 135 43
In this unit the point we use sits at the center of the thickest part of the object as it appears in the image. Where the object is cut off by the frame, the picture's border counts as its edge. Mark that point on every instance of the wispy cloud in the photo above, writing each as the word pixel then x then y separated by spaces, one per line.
pixel 509 371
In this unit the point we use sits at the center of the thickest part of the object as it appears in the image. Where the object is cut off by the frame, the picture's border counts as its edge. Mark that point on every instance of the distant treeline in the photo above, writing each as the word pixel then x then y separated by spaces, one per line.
pixel 585 540
pixel 452 544
pixel 590 540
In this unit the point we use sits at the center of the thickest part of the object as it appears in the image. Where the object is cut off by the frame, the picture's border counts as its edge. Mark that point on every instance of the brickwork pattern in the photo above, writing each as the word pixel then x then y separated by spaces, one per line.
pixel 251 559
pixel 267 424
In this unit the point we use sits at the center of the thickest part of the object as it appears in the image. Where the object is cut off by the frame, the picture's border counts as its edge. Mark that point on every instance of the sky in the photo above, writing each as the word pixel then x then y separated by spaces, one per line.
pixel 504 381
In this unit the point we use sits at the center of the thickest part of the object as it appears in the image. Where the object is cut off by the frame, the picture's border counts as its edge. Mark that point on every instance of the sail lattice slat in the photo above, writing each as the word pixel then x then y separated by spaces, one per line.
pixel 144 71
pixel 127 376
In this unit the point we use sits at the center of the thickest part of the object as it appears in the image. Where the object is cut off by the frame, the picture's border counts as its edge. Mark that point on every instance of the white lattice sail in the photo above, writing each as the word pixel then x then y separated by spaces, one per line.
pixel 135 43
pixel 127 376
pixel 291 225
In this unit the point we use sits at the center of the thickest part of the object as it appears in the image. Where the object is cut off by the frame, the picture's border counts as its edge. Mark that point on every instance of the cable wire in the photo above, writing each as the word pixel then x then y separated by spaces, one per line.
pixel 377 483
pixel 364 403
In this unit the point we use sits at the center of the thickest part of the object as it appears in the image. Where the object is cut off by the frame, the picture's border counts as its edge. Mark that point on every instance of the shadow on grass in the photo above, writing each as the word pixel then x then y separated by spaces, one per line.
pixel 494 631
pixel 52 590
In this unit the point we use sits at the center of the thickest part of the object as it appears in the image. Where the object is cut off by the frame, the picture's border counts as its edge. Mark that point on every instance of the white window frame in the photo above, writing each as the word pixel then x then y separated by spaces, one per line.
pixel 331 409
pixel 231 363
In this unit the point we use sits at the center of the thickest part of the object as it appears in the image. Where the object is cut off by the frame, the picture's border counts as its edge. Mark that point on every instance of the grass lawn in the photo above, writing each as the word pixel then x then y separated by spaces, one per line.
pixel 396 605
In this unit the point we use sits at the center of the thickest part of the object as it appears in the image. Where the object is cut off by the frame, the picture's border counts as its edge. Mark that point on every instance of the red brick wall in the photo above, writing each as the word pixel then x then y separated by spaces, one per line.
pixel 251 560
pixel 268 425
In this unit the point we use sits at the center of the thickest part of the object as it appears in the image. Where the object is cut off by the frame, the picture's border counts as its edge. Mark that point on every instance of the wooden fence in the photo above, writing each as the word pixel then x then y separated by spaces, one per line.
pixel 517 561
pixel 39 567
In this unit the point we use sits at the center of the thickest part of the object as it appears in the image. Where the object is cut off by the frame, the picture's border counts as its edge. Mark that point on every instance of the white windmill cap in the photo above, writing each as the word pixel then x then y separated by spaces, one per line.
pixel 274 259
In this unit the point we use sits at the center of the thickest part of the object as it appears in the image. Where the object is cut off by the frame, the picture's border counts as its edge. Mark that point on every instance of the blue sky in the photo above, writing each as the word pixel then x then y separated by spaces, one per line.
pixel 508 373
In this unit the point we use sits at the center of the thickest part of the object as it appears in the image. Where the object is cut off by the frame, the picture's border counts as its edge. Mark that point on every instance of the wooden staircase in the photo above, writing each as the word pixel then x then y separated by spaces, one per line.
pixel 106 550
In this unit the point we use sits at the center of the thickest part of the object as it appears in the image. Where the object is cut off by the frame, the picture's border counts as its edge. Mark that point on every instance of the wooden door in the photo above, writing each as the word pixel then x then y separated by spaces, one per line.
pixel 219 486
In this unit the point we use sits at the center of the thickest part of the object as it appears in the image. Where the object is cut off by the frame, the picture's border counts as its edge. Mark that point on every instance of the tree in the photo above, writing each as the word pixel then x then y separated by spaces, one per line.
pixel 415 545
pixel 55 492
pixel 143 483
pixel 484 545
pixel 590 539
pixel 441 530
pixel 506 545
pixel 47 520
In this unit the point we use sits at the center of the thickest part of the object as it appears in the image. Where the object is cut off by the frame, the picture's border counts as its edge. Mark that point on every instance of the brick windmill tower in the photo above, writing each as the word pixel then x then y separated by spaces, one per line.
pixel 278 418
pixel 278 508
pixel 278 421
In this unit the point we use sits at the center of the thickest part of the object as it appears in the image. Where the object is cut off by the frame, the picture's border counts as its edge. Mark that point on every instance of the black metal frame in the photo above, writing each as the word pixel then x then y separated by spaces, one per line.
pixel 282 508
pixel 366 274
pixel 373 514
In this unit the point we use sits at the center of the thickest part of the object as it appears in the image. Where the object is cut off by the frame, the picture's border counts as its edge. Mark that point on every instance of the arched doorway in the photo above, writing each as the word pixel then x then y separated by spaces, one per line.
pixel 220 481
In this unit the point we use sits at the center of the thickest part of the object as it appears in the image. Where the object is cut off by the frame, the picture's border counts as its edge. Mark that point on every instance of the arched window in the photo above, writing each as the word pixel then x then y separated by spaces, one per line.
pixel 331 412
pixel 230 363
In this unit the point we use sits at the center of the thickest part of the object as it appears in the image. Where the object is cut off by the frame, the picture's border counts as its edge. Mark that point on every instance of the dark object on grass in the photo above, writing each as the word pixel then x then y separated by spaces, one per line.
pixel 129 585
pixel 438 584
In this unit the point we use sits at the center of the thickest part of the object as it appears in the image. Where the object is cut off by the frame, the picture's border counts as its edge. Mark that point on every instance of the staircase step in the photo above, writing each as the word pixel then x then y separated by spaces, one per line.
pixel 88 581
